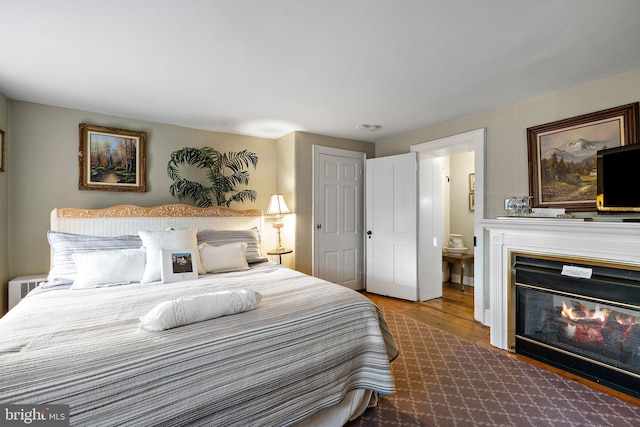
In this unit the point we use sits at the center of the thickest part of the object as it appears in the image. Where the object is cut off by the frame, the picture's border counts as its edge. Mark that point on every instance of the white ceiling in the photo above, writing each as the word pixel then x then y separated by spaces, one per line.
pixel 268 67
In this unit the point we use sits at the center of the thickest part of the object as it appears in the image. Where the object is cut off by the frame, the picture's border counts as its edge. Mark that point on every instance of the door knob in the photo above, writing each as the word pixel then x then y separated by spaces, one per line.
pixel 369 233
pixel 318 226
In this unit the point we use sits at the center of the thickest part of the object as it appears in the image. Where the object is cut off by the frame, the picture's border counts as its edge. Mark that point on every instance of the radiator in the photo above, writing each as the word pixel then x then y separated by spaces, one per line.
pixel 21 285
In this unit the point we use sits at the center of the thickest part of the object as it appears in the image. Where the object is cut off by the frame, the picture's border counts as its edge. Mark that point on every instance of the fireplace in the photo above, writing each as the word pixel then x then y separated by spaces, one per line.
pixel 609 246
pixel 580 316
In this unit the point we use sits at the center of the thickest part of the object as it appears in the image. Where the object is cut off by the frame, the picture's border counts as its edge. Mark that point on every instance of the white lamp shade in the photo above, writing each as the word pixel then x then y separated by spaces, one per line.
pixel 277 206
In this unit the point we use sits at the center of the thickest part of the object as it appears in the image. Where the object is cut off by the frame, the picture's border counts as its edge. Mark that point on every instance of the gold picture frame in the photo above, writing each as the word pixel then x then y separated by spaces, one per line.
pixel 472 202
pixel 112 159
pixel 562 156
pixel 472 182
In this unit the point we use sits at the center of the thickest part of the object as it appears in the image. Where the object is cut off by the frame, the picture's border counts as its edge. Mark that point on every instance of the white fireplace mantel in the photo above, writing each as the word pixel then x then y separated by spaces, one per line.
pixel 598 240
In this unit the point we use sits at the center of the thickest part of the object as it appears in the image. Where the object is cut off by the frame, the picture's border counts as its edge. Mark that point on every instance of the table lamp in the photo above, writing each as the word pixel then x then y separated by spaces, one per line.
pixel 278 207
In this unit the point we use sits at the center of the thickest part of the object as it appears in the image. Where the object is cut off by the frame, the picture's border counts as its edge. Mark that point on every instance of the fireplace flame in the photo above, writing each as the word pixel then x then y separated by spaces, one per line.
pixel 580 312
pixel 607 330
pixel 628 320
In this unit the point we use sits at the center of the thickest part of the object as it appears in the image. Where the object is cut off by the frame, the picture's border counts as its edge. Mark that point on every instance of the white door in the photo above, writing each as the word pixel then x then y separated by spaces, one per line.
pixel 391 224
pixel 430 220
pixel 339 255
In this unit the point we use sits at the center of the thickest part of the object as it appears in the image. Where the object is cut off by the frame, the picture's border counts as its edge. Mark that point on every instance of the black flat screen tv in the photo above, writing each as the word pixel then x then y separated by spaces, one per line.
pixel 617 178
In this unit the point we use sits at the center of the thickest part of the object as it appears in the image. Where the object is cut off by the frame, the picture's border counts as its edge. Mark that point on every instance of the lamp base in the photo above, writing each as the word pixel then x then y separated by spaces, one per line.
pixel 278 225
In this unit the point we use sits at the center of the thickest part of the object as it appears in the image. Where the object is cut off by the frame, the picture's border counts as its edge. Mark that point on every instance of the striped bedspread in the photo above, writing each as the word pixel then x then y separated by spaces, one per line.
pixel 307 344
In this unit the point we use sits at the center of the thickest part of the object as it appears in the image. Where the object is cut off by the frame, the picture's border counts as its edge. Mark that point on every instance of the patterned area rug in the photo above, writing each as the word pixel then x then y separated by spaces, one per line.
pixel 442 380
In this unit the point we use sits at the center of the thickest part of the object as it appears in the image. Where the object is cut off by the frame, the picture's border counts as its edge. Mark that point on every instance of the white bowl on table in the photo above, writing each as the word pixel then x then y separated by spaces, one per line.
pixel 455 251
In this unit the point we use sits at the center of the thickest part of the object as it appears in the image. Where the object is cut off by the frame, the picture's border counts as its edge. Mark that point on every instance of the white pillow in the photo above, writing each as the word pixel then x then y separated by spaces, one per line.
pixel 219 259
pixel 104 268
pixel 64 245
pixel 155 241
pixel 187 310
pixel 222 237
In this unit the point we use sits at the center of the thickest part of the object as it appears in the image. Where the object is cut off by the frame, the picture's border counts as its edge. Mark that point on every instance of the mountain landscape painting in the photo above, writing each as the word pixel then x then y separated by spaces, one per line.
pixel 567 166
pixel 563 171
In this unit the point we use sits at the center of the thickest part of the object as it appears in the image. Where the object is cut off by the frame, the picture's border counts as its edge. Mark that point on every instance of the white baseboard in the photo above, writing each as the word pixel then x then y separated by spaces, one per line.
pixel 486 321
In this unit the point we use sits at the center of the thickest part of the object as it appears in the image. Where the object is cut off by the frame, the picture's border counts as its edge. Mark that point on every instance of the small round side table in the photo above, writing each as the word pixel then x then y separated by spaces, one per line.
pixel 280 253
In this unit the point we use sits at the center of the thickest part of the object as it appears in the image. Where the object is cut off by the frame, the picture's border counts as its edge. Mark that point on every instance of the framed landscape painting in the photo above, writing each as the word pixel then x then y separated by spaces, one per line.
pixel 112 159
pixel 562 156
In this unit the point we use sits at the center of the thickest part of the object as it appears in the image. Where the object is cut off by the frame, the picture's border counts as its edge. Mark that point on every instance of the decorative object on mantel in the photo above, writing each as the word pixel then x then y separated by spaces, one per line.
pixel 215 165
pixel 562 155
pixel 455 246
pixel 536 213
pixel 2 150
pixel 112 159
pixel 547 212
pixel 278 207
pixel 519 205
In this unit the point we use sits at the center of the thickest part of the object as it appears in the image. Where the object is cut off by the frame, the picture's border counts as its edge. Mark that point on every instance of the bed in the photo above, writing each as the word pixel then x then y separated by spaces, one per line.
pixel 309 353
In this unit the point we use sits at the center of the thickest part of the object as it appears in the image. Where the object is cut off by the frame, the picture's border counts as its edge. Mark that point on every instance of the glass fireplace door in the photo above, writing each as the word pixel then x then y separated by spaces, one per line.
pixel 603 333
pixel 589 326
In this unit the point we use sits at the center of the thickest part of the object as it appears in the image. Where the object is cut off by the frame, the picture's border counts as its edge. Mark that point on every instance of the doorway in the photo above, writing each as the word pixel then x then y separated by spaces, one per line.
pixel 338 196
pixel 461 143
pixel 458 217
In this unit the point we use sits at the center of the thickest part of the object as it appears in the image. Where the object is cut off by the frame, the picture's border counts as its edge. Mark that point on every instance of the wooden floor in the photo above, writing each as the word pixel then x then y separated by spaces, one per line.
pixel 454 314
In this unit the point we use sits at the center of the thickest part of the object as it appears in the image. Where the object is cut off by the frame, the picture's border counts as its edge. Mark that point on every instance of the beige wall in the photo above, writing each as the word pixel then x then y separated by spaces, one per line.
pixel 461 218
pixel 285 184
pixel 43 172
pixel 506 146
pixel 4 207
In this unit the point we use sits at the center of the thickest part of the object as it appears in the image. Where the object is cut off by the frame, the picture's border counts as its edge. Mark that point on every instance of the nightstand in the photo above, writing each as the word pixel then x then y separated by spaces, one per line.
pixel 280 253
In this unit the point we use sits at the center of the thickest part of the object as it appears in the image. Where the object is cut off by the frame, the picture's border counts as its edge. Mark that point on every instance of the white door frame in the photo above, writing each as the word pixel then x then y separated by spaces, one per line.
pixel 317 150
pixel 461 143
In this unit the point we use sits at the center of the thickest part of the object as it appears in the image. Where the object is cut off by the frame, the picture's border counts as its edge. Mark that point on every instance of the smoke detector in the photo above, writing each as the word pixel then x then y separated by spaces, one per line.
pixel 370 128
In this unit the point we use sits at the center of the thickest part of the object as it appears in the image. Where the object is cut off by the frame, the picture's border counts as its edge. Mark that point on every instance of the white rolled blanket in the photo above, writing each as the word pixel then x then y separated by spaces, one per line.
pixel 183 311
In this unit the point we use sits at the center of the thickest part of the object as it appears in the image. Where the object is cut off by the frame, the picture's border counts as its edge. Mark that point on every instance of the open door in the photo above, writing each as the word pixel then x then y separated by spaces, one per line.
pixel 391 226
pixel 430 230
pixel 404 226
